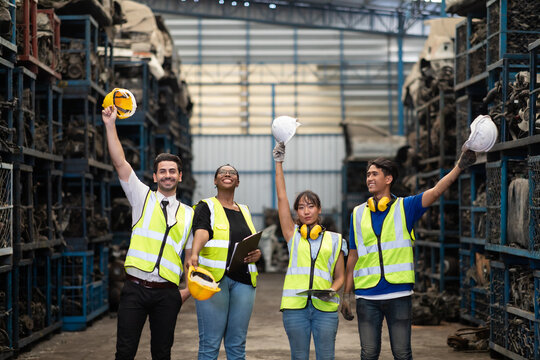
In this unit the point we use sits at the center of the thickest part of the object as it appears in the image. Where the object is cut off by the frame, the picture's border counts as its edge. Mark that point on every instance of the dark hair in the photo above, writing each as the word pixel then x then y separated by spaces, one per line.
pixel 388 168
pixel 167 157
pixel 219 168
pixel 311 197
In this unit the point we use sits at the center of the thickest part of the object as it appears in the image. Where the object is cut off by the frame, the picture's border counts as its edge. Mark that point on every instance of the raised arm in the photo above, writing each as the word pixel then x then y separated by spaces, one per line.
pixel 284 211
pixel 466 159
pixel 116 152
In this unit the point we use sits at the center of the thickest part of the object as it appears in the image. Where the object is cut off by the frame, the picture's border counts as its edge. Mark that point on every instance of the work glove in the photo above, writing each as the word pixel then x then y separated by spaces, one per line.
pixel 279 152
pixel 327 297
pixel 466 159
pixel 346 306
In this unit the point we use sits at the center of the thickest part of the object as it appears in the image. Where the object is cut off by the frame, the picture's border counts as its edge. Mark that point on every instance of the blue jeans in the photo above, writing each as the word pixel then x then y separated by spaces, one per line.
pixel 225 316
pixel 300 323
pixel 398 318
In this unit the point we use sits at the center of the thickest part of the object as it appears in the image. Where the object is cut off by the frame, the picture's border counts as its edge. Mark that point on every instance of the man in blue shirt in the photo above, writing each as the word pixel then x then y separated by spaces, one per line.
pixel 380 267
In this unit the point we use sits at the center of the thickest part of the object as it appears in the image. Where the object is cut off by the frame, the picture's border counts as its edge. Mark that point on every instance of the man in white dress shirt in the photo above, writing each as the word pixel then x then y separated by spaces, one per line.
pixel 161 230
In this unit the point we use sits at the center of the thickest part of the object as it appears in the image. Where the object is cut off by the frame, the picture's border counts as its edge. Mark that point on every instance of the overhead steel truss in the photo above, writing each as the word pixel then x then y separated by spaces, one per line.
pixel 405 20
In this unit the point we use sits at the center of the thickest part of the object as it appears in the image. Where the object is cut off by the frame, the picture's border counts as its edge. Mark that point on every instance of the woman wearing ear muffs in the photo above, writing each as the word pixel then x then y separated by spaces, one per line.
pixel 315 263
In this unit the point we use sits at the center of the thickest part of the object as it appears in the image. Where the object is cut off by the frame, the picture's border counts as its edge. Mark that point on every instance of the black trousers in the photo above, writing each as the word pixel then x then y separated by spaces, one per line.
pixel 137 303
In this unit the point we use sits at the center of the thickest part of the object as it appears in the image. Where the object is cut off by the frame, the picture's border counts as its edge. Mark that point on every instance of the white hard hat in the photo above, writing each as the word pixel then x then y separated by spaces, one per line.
pixel 284 128
pixel 483 135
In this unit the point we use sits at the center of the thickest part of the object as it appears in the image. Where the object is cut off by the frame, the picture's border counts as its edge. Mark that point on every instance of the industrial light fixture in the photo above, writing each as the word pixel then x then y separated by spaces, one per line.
pixel 233 3
pixel 272 6
pixel 246 3
pixel 222 2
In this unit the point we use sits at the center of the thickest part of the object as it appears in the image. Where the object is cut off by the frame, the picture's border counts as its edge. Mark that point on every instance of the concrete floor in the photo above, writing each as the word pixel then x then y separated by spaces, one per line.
pixel 266 336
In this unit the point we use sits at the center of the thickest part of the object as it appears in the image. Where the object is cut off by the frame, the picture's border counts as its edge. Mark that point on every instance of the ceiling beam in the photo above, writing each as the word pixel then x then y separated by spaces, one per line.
pixel 305 14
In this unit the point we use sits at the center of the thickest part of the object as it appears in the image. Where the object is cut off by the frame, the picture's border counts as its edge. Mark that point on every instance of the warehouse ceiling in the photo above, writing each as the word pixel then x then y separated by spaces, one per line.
pixel 382 16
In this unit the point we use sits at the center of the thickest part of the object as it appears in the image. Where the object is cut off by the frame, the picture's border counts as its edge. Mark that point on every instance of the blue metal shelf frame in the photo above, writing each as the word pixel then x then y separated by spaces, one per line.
pixel 90 293
pixel 84 27
pixel 89 186
pixel 497 197
pixel 434 252
pixel 498 31
pixel 6 316
pixel 506 319
pixel 10 45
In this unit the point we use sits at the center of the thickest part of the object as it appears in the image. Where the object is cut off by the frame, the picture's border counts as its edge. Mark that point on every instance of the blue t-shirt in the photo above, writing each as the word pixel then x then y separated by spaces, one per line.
pixel 413 211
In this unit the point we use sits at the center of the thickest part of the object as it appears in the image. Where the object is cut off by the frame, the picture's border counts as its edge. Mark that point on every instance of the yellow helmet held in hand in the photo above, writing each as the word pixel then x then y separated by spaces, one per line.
pixel 123 100
pixel 201 283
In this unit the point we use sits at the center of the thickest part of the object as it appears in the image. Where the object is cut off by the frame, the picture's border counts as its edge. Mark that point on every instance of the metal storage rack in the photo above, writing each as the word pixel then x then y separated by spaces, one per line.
pixel 86 170
pixel 6 314
pixel 435 242
pixel 514 327
pixel 474 285
pixel 85 290
pixel 507 35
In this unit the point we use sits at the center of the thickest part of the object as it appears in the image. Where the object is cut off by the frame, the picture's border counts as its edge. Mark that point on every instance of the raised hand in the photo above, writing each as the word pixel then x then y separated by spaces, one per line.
pixel 279 152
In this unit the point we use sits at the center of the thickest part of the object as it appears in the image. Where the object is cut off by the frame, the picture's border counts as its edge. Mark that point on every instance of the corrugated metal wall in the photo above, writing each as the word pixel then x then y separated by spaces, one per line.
pixel 312 162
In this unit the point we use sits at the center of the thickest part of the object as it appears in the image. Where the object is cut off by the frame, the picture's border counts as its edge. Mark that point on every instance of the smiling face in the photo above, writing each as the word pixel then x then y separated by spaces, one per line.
pixel 226 178
pixel 377 182
pixel 308 208
pixel 167 177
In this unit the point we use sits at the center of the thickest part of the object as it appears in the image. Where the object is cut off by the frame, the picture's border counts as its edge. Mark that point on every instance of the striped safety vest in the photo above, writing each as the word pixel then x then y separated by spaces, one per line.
pixel 213 256
pixel 390 256
pixel 148 236
pixel 304 274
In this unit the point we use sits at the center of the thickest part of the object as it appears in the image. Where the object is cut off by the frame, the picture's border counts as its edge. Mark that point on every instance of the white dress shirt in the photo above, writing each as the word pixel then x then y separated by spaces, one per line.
pixel 136 192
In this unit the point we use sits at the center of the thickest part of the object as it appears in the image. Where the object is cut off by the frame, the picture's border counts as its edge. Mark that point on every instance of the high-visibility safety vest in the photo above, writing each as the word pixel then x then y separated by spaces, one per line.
pixel 390 255
pixel 304 273
pixel 153 244
pixel 213 256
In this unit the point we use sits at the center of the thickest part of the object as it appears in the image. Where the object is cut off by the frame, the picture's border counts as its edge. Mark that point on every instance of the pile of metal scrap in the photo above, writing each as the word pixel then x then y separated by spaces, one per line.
pixel 522 288
pixel 6 22
pixel 432 307
pixel 101 10
pixel 47 53
pixel 465 7
pixel 435 64
pixel 476 339
pixel 516 106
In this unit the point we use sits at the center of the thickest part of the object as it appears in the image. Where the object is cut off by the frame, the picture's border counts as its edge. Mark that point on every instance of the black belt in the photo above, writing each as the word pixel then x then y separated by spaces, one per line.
pixel 151 284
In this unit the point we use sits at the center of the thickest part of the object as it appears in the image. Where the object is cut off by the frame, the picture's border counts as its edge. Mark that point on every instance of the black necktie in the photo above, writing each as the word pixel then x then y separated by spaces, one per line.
pixel 164 204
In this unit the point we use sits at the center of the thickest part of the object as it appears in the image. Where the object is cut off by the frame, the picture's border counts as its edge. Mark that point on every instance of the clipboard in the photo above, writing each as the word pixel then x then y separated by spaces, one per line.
pixel 241 249
pixel 316 292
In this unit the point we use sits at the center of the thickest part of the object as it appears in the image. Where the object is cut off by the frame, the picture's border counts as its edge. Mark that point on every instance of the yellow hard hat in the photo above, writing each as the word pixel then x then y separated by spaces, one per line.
pixel 123 100
pixel 201 283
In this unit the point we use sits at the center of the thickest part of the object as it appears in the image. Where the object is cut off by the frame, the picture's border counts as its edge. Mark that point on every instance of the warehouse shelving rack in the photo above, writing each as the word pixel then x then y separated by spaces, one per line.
pixel 435 242
pixel 6 313
pixel 514 330
pixel 474 287
pixel 8 44
pixel 139 127
pixel 6 259
pixel 85 295
pixel 28 54
pixel 39 294
pixel 507 36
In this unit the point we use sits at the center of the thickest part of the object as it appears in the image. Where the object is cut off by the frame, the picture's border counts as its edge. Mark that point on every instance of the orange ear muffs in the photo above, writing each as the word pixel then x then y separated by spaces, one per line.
pixel 313 233
pixel 380 205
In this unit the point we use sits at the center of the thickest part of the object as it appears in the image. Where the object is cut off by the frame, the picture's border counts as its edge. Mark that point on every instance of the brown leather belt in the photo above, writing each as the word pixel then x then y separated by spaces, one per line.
pixel 151 284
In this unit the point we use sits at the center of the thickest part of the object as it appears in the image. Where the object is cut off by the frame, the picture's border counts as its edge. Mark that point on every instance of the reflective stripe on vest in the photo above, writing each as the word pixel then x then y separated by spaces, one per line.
pixel 147 238
pixel 298 273
pixel 213 256
pixel 396 246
